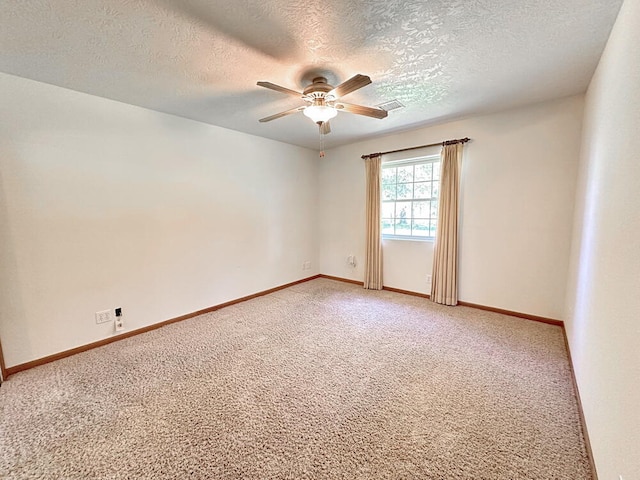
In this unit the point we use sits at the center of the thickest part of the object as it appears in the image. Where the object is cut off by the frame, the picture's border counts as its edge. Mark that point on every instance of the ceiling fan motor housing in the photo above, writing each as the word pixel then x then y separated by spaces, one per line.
pixel 318 89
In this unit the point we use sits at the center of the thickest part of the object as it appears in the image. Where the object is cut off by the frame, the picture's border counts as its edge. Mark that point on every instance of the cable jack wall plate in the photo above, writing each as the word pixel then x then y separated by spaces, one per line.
pixel 119 324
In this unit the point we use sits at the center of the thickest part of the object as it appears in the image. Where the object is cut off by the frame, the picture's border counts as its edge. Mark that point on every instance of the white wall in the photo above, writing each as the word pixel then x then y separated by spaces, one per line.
pixel 518 188
pixel 603 319
pixel 105 205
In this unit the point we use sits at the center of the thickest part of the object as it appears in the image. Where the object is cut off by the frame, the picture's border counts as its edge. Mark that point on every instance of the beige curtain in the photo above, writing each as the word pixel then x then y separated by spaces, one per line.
pixel 373 250
pixel 444 278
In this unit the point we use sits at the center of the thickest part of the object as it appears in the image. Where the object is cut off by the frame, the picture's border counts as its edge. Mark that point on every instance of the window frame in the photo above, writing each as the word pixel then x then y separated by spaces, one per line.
pixel 421 160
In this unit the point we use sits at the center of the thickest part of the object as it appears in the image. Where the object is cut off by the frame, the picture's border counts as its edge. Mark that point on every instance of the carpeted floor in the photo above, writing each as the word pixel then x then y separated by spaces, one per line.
pixel 323 380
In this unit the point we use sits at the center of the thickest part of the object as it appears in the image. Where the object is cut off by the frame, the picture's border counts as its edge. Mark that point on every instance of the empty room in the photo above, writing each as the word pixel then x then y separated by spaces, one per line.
pixel 320 240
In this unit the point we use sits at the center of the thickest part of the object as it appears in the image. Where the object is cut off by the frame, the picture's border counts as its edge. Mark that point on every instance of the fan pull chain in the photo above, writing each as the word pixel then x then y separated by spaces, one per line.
pixel 321 139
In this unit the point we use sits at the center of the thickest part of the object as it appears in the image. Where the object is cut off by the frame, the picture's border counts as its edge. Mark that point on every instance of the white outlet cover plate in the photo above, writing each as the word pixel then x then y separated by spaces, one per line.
pixel 104 316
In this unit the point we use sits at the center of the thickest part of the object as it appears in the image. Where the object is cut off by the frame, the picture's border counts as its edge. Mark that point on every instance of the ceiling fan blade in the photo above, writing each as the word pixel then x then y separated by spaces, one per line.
pixel 361 110
pixel 351 85
pixel 280 89
pixel 325 128
pixel 282 114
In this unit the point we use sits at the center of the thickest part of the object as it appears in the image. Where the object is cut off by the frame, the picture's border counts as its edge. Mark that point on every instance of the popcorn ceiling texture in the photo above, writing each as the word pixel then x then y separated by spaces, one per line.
pixel 322 380
pixel 201 58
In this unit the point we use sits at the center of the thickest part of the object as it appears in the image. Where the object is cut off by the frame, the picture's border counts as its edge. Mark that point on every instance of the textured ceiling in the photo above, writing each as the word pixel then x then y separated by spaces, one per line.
pixel 201 59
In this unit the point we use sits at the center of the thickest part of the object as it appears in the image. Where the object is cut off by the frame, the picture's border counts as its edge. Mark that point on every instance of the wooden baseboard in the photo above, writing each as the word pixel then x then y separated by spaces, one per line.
pixel 83 348
pixel 583 422
pixel 3 370
pixel 340 279
pixel 535 318
pixel 357 282
pixel 407 292
pixel 527 316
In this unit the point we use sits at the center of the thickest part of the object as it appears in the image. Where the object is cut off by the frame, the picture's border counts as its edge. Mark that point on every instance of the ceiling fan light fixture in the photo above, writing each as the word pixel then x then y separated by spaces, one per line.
pixel 324 101
pixel 320 113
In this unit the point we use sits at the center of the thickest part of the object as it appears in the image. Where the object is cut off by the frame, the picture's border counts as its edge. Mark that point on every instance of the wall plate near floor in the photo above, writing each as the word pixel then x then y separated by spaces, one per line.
pixel 119 323
pixel 104 316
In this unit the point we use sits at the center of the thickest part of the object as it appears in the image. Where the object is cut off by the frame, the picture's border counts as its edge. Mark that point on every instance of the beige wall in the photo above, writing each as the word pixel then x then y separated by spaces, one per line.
pixel 106 205
pixel 518 188
pixel 603 319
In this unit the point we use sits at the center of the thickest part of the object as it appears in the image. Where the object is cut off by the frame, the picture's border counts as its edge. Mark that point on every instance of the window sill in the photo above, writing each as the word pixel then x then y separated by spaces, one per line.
pixel 408 239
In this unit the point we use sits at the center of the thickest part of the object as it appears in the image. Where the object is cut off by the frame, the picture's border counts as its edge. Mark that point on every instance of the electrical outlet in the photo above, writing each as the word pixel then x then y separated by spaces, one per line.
pixel 104 316
pixel 429 279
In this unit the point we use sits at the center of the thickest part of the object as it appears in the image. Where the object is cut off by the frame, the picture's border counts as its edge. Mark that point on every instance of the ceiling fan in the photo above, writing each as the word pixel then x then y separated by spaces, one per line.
pixel 324 101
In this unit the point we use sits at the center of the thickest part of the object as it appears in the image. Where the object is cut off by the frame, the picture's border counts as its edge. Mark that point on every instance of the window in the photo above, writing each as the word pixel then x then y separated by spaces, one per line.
pixel 410 190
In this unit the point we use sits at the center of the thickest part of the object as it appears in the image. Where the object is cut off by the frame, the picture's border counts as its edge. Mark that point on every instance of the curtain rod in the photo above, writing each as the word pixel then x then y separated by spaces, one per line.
pixel 446 142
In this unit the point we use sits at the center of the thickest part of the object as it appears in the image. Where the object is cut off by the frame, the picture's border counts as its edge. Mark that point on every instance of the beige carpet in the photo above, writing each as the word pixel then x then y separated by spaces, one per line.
pixel 323 380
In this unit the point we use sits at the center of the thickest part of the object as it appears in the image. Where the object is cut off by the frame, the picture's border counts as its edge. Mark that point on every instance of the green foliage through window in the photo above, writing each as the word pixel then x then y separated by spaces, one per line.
pixel 410 198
